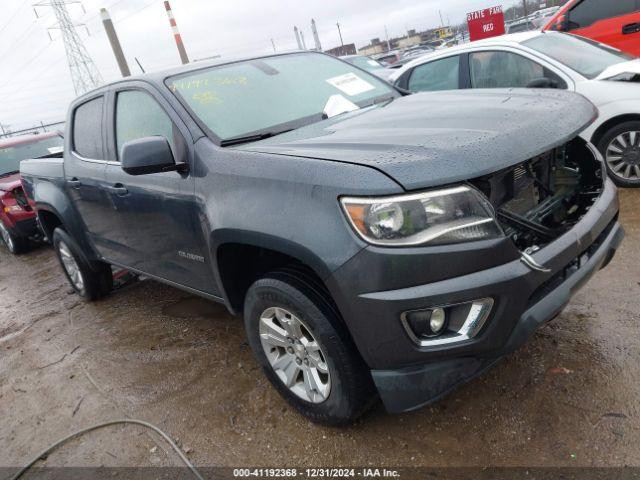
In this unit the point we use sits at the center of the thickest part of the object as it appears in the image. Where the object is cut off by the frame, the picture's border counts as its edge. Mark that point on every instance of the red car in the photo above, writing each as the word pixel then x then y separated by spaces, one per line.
pixel 615 22
pixel 17 218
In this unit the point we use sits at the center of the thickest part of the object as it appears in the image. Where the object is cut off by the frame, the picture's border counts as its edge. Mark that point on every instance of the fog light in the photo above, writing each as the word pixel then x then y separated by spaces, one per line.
pixel 427 323
pixel 438 318
pixel 447 324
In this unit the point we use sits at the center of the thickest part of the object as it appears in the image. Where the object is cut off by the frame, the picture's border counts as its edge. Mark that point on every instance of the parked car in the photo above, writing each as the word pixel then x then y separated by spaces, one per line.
pixel 615 23
pixel 374 242
pixel 541 17
pixel 524 25
pixel 368 64
pixel 17 218
pixel 415 52
pixel 605 76
pixel 388 59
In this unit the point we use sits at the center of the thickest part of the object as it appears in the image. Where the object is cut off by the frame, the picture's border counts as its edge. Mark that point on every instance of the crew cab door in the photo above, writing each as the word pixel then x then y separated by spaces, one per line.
pixel 154 223
pixel 615 23
pixel 84 170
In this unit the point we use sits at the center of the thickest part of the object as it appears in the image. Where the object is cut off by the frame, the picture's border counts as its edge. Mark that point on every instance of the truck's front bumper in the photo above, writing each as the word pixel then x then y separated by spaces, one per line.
pixel 413 387
pixel 409 375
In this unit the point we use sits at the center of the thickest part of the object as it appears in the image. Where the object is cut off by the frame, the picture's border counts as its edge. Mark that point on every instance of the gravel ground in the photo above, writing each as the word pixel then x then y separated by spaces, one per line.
pixel 570 397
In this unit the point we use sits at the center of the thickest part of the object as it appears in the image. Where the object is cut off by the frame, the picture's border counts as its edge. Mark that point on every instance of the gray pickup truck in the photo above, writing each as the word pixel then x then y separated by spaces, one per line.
pixel 377 244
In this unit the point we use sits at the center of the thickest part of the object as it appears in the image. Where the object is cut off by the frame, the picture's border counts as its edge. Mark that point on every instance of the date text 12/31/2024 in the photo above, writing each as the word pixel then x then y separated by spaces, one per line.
pixel 315 473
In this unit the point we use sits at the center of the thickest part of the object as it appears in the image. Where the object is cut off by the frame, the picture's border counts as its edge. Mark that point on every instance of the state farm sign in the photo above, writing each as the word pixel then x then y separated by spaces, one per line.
pixel 486 23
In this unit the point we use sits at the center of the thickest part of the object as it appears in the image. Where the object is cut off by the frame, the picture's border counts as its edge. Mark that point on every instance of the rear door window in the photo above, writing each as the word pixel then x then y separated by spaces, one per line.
pixel 588 12
pixel 495 69
pixel 87 129
pixel 138 115
pixel 438 75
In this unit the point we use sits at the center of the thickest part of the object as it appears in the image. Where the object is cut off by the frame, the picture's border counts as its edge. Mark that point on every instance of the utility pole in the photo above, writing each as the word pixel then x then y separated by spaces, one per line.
pixel 176 34
pixel 84 73
pixel 4 132
pixel 316 37
pixel 304 44
pixel 441 21
pixel 273 44
pixel 297 32
pixel 525 11
pixel 115 42
pixel 340 33
pixel 386 32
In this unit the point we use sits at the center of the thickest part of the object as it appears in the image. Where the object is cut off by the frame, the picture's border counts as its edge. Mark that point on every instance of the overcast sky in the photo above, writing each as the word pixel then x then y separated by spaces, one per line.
pixel 35 84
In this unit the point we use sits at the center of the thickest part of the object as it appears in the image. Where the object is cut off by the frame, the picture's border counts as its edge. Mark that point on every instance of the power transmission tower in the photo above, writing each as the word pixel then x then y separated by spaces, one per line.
pixel 84 73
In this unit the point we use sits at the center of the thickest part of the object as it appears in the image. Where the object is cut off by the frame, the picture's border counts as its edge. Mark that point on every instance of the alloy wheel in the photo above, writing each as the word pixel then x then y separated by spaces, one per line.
pixel 6 237
pixel 623 155
pixel 295 355
pixel 71 266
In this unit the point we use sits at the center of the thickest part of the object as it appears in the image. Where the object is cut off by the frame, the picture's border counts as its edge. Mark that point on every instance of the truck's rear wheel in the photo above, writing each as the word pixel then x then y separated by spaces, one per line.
pixel 89 280
pixel 305 351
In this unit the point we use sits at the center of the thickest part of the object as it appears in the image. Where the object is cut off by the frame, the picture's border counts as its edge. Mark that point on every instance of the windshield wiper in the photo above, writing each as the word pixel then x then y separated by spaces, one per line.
pixel 251 138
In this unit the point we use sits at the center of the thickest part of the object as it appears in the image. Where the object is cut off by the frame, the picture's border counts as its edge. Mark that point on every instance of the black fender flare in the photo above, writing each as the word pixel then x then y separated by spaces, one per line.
pixel 281 245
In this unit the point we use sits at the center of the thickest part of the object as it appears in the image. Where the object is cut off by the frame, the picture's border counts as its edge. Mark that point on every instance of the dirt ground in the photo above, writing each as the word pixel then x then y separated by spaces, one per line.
pixel 570 397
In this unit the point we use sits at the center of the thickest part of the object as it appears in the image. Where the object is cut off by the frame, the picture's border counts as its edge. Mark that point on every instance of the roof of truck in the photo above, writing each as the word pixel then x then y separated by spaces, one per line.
pixel 161 75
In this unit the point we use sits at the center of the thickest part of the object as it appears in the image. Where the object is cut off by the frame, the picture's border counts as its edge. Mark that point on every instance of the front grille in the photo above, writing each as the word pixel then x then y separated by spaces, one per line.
pixel 539 200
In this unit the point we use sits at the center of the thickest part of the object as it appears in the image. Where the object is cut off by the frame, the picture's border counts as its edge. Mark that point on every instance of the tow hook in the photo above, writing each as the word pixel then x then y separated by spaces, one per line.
pixel 528 260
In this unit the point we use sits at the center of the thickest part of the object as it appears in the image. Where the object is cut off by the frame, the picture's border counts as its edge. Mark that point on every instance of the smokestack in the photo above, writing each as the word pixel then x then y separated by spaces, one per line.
pixel 295 29
pixel 115 43
pixel 176 34
pixel 316 38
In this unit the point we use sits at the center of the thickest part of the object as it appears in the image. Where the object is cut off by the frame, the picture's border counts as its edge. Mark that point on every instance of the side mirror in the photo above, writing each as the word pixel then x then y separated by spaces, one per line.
pixel 148 155
pixel 542 83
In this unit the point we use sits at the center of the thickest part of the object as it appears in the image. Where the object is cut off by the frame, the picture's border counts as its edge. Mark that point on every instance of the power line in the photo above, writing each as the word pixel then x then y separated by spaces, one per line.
pixel 30 61
pixel 84 73
pixel 13 16
pixel 20 37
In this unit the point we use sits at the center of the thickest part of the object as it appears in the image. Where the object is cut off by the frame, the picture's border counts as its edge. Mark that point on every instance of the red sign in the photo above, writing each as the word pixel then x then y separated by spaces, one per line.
pixel 486 23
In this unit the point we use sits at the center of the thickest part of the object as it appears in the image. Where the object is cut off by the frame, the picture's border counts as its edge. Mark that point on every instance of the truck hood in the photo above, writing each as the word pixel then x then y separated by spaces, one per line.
pixel 431 139
pixel 9 182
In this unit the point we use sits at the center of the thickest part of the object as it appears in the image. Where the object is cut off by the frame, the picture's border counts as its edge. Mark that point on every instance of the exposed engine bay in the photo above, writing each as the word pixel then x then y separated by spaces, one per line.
pixel 541 199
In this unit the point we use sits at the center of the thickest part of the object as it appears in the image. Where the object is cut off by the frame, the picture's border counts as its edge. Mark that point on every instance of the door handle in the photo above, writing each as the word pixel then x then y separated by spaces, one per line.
pixel 631 28
pixel 119 190
pixel 74 183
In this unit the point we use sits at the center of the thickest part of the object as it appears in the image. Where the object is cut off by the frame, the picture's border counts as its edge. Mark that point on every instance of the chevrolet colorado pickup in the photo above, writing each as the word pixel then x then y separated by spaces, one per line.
pixel 377 244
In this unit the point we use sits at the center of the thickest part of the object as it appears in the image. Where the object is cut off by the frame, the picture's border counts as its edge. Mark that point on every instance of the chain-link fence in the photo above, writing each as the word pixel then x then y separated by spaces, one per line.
pixel 42 127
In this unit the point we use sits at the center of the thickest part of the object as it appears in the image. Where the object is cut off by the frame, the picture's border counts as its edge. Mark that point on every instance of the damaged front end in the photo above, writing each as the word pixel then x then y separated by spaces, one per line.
pixel 541 199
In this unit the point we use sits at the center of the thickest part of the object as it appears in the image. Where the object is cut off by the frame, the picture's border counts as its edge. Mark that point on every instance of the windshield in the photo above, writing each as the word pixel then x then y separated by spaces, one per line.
pixel 365 63
pixel 10 157
pixel 586 57
pixel 274 94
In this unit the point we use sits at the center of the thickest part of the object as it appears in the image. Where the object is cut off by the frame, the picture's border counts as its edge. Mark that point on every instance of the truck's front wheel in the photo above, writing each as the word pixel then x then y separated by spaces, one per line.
pixel 90 281
pixel 305 351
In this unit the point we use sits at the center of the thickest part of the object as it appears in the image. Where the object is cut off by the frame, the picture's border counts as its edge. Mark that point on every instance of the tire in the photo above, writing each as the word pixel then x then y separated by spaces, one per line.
pixel 13 243
pixel 90 280
pixel 346 391
pixel 621 158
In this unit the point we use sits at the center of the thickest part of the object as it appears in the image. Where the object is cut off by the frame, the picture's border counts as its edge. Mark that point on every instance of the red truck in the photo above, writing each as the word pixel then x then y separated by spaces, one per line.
pixel 615 23
pixel 17 218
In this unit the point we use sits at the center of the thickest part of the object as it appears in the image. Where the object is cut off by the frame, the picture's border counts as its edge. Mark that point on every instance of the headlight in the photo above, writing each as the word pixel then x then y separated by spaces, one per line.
pixel 437 217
